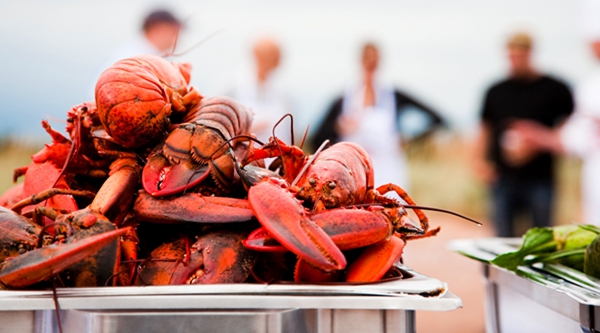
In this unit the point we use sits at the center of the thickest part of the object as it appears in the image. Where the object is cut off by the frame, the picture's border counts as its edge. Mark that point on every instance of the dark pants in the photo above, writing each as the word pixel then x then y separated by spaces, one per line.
pixel 514 196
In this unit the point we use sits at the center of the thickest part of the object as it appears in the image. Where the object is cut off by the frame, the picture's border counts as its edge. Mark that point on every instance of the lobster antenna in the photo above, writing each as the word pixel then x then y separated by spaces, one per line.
pixel 176 39
pixel 277 141
pixel 309 162
pixel 304 136
pixel 441 210
pixel 202 41
pixel 291 125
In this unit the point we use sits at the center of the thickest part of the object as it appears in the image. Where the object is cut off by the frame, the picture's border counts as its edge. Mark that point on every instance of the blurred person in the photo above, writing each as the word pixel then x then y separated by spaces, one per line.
pixel 521 175
pixel 369 114
pixel 580 136
pixel 160 29
pixel 159 34
pixel 581 133
pixel 260 90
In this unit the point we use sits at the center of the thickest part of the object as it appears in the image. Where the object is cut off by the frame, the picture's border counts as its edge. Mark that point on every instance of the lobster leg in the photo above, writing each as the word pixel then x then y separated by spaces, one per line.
pixel 284 217
pixel 47 194
pixel 40 264
pixel 383 189
pixel 115 197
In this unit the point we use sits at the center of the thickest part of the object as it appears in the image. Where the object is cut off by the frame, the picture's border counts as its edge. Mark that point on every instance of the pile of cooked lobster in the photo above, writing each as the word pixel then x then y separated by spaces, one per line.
pixel 157 185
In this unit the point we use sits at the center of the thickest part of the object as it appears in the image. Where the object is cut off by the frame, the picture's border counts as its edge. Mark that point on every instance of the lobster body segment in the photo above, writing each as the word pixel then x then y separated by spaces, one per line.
pixel 197 148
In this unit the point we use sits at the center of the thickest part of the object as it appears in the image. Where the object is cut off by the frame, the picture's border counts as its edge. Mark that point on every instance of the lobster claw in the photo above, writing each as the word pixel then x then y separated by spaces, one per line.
pixel 191 207
pixel 161 178
pixel 287 221
pixel 376 260
pixel 40 264
pixel 347 228
pixel 260 240
pixel 16 234
pixel 216 257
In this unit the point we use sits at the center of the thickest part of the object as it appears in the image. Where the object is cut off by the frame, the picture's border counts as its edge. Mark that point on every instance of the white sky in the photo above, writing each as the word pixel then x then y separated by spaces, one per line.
pixel 444 52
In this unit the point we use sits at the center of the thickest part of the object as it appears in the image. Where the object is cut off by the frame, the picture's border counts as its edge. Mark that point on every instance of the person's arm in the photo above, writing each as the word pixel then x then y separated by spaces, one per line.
pixel 484 169
pixel 539 138
pixel 327 130
pixel 403 100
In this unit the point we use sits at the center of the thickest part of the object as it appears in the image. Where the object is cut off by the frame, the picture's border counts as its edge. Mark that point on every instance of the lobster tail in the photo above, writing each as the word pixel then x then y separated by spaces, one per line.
pixel 135 98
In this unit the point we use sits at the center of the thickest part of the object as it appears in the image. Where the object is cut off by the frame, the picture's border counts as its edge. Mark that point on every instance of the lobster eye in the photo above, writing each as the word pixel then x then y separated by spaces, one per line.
pixel 312 181
pixel 331 185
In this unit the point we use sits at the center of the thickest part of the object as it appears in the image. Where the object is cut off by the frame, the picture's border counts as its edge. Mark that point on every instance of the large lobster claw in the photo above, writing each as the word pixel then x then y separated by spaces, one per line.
pixel 16 234
pixel 216 257
pixel 40 264
pixel 191 207
pixel 162 178
pixel 287 221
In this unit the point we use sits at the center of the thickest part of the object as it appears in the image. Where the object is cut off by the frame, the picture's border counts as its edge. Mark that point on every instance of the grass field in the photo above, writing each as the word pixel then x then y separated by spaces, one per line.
pixel 439 171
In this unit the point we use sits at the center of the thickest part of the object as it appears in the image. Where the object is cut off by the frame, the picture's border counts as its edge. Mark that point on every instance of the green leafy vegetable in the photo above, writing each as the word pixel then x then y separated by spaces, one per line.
pixel 591 263
pixel 564 244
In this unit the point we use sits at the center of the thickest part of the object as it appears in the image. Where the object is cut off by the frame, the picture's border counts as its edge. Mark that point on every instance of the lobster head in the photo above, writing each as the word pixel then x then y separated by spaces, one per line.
pixel 339 176
pixel 324 187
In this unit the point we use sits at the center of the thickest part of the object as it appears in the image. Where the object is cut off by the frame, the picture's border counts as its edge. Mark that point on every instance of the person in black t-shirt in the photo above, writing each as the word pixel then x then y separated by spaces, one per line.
pixel 520 173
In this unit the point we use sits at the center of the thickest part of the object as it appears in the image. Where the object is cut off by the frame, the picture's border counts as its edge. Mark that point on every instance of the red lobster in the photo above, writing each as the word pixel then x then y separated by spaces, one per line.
pixel 340 176
pixel 87 254
pixel 136 96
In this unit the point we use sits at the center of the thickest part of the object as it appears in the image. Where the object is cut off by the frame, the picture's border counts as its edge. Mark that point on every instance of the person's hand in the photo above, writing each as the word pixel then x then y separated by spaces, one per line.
pixel 524 139
pixel 346 125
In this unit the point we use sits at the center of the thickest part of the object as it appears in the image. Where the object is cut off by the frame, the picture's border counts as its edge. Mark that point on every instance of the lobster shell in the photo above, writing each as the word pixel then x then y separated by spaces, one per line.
pixel 136 96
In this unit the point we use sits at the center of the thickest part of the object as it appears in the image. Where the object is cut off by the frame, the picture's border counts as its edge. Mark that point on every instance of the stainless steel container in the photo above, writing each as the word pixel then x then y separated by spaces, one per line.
pixel 240 308
pixel 542 298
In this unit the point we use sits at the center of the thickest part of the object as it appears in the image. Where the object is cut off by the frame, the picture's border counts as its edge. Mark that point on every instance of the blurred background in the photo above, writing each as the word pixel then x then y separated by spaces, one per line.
pixel 444 53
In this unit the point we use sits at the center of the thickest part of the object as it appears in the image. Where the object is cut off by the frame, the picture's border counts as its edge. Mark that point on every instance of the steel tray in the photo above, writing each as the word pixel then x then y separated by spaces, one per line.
pixel 379 307
pixel 542 298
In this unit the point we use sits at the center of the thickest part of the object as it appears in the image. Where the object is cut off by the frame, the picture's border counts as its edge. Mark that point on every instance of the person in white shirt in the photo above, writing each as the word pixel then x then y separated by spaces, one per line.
pixel 369 113
pixel 580 135
pixel 260 90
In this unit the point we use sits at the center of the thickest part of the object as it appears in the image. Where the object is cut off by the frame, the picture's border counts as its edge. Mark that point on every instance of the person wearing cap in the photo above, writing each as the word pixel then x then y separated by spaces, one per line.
pixel 521 174
pixel 160 29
